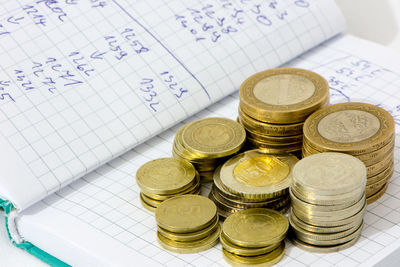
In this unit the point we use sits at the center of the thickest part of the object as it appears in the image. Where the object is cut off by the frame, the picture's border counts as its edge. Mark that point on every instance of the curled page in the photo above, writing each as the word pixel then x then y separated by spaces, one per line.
pixel 85 81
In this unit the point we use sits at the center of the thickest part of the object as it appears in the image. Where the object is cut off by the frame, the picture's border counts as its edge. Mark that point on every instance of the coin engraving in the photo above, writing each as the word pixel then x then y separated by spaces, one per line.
pixel 261 171
pixel 213 134
pixel 284 89
pixel 349 126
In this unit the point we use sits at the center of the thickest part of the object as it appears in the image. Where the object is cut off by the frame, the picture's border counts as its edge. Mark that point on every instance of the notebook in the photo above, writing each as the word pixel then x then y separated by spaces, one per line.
pixel 90 90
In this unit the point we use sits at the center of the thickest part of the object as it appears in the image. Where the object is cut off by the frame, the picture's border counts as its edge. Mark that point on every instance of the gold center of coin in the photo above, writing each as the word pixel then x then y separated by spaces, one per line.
pixel 261 171
pixel 284 89
pixel 349 126
pixel 213 135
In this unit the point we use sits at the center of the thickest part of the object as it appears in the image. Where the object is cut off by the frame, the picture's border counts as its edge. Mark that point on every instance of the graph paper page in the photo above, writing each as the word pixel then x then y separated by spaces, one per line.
pixel 105 205
pixel 82 82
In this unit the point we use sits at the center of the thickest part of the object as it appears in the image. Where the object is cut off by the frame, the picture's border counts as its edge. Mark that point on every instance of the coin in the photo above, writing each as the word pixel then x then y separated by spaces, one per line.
pixel 323 249
pixel 375 187
pixel 255 227
pixel 254 174
pixel 377 195
pixel 269 128
pixel 165 176
pixel 388 172
pixel 283 95
pixel 342 240
pixel 273 140
pixel 331 223
pixel 323 229
pixel 147 206
pixel 267 259
pixel 373 170
pixel 192 246
pixel 274 148
pixel 354 128
pixel 244 251
pixel 186 213
pixel 213 137
pixel 192 236
pixel 329 174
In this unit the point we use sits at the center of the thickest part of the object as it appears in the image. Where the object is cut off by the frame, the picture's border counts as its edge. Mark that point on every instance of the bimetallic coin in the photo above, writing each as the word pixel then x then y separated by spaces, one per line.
pixel 329 173
pixel 284 95
pixel 267 259
pixel 165 176
pixel 375 187
pixel 189 247
pixel 388 172
pixel 270 129
pixel 186 213
pixel 254 174
pixel 354 128
pixel 213 137
pixel 377 195
pixel 255 227
pixel 373 170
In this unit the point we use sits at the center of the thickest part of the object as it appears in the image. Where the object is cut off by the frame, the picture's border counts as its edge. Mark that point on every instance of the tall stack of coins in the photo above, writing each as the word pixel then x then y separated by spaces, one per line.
pixel 328 201
pixel 274 105
pixel 164 178
pixel 362 130
pixel 187 224
pixel 254 237
pixel 207 142
pixel 253 179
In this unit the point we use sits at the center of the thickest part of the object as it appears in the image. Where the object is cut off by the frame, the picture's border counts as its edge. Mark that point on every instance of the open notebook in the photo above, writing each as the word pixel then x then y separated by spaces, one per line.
pixel 84 82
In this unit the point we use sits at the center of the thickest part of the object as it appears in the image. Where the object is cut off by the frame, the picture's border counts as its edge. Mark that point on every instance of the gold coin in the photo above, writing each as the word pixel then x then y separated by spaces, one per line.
pixel 255 227
pixel 244 251
pixel 194 187
pixel 147 206
pixel 283 95
pixel 269 128
pixel 323 229
pixel 377 195
pixel 254 174
pixel 192 246
pixel 330 223
pixel 323 249
pixel 273 140
pixel 342 240
pixel 388 172
pixel 372 189
pixel 354 128
pixel 213 137
pixel 186 213
pixel 278 149
pixel 193 236
pixel 303 234
pixel 165 176
pixel 150 201
pixel 329 173
pixel 267 259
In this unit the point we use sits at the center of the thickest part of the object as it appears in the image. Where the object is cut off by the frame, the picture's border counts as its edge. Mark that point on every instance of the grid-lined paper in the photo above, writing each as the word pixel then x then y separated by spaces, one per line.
pixel 108 198
pixel 81 82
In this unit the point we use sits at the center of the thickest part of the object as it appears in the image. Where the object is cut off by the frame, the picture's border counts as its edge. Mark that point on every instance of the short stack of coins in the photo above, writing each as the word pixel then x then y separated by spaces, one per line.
pixel 328 201
pixel 187 224
pixel 207 142
pixel 253 179
pixel 274 105
pixel 254 237
pixel 165 178
pixel 359 129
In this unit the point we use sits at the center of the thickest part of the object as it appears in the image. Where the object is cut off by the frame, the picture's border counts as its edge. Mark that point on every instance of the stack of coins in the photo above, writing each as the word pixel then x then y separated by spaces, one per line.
pixel 274 105
pixel 253 179
pixel 207 142
pixel 187 224
pixel 165 178
pixel 254 237
pixel 362 130
pixel 328 201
